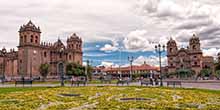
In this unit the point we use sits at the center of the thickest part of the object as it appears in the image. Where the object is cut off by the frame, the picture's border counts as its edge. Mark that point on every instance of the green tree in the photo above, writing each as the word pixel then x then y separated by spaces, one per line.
pixel 217 66
pixel 217 74
pixel 89 72
pixel 44 70
pixel 74 69
pixel 184 73
pixel 205 73
pixel 69 69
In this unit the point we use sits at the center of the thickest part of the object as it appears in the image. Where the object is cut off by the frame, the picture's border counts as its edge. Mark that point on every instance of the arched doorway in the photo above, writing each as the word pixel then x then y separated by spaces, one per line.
pixel 60 68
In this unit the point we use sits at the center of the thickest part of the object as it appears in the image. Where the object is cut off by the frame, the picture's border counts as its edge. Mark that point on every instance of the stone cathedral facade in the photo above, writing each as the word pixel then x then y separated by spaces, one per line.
pixel 32 53
pixel 188 58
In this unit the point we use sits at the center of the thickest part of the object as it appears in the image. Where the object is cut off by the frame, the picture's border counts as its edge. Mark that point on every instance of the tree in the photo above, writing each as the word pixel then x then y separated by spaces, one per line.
pixel 217 66
pixel 184 73
pixel 74 69
pixel 44 69
pixel 205 73
pixel 69 69
pixel 89 72
pixel 217 74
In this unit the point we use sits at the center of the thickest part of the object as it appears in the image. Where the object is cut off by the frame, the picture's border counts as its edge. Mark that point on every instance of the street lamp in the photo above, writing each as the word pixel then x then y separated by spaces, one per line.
pixel 160 49
pixel 86 68
pixel 131 59
pixel 60 66
pixel 119 72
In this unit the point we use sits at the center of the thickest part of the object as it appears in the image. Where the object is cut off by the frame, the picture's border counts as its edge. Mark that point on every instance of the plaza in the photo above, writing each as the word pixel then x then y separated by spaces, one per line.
pixel 110 55
pixel 107 97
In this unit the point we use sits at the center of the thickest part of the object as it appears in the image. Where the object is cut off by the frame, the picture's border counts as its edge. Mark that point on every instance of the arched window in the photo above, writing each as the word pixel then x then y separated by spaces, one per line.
pixel 171 49
pixel 194 47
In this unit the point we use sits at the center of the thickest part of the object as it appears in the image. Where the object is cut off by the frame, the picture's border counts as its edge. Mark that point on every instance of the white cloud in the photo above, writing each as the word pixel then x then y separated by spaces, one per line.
pixel 91 20
pixel 108 64
pixel 139 40
pixel 151 60
pixel 211 52
pixel 108 48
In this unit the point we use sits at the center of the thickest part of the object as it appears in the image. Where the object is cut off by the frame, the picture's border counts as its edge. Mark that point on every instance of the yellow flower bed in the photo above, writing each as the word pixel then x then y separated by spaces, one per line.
pixel 110 98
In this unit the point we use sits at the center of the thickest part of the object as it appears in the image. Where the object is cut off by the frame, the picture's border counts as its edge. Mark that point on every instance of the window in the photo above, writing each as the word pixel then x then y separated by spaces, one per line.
pixel 32 38
pixel 21 38
pixel 60 55
pixel 36 38
pixel 171 49
pixel 70 57
pixel 194 47
pixel 45 54
pixel 25 38
pixel 195 63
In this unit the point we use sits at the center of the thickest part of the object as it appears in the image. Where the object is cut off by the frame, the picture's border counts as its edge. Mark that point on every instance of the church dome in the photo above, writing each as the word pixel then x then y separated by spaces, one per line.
pixel 29 27
pixel 74 37
pixel 4 50
pixel 58 44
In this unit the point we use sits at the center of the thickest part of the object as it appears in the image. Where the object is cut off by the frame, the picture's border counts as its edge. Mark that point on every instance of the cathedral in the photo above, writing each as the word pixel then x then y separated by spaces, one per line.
pixel 31 53
pixel 188 58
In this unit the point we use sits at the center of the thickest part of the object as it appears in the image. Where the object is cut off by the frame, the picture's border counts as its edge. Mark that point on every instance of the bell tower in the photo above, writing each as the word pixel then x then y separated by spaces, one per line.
pixel 171 54
pixel 29 34
pixel 171 47
pixel 28 50
pixel 194 44
pixel 74 44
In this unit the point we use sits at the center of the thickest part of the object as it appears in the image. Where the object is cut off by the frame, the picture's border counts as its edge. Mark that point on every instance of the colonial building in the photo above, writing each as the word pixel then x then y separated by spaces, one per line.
pixel 188 58
pixel 125 71
pixel 32 53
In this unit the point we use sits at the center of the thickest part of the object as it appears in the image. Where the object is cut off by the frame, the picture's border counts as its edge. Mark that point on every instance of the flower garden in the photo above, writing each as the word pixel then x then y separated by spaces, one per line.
pixel 108 97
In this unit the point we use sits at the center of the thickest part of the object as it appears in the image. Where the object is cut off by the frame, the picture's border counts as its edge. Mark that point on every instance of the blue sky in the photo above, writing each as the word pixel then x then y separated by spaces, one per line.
pixel 105 26
pixel 92 52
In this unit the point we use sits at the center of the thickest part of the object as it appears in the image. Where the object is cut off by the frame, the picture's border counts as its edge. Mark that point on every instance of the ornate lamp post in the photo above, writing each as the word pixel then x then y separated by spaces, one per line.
pixel 131 59
pixel 119 71
pixel 160 49
pixel 60 66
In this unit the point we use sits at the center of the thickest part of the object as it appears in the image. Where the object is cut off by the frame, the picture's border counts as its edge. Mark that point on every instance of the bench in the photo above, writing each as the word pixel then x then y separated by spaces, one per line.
pixel 123 81
pixel 23 82
pixel 78 81
pixel 107 79
pixel 174 83
pixel 147 82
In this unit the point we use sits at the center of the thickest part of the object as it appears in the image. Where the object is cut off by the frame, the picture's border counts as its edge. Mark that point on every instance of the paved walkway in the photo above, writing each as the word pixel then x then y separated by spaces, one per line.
pixel 202 85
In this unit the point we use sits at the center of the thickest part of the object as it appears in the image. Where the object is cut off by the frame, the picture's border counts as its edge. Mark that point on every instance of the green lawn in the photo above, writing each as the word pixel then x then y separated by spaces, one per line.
pixel 108 97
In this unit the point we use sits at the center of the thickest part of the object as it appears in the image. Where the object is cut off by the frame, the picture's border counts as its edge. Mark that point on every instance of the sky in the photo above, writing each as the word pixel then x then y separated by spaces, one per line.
pixel 112 30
